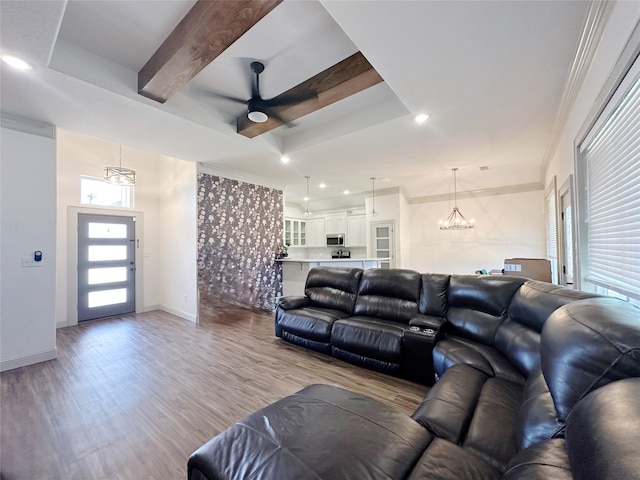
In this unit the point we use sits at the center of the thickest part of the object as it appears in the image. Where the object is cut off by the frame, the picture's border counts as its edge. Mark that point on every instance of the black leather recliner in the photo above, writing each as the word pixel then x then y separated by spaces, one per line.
pixel 577 416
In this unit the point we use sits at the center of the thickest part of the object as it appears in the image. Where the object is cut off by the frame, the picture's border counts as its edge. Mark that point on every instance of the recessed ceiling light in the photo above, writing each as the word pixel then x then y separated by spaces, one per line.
pixel 322 185
pixel 385 179
pixel 346 192
pixel 16 62
pixel 306 199
pixel 285 160
pixel 421 118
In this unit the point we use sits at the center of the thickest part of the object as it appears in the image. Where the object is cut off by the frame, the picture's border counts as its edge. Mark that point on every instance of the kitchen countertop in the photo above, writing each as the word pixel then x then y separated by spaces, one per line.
pixel 316 260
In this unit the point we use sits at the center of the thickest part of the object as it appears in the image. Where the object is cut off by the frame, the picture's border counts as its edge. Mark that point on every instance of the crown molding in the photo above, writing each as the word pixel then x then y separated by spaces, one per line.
pixel 485 192
pixel 239 176
pixel 597 17
pixel 26 125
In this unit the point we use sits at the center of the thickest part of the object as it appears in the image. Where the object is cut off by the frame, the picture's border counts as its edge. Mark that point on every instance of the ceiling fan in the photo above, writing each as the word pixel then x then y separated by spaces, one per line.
pixel 260 110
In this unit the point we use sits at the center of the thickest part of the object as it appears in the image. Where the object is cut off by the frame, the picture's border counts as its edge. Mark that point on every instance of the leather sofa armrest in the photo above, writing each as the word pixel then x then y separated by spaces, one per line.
pixel 292 302
pixel 427 321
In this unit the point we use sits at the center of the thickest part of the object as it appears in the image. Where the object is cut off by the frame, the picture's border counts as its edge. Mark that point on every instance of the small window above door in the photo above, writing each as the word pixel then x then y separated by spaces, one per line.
pixel 95 191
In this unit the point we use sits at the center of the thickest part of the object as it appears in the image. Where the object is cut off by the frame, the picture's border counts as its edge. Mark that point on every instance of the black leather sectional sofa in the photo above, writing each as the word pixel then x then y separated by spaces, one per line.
pixel 534 381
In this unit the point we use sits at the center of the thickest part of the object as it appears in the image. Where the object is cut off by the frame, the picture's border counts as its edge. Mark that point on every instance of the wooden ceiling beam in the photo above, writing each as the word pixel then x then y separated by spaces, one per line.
pixel 346 78
pixel 209 28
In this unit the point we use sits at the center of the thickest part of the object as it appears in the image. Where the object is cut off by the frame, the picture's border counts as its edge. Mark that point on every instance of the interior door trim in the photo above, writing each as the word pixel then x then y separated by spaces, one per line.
pixel 72 256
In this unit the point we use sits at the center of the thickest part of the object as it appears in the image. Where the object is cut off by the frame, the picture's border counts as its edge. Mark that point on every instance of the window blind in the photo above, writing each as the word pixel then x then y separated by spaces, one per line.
pixel 613 198
pixel 552 235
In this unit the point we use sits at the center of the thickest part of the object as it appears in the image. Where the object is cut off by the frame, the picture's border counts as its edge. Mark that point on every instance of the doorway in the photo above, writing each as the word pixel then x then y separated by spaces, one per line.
pixel 106 265
pixel 383 243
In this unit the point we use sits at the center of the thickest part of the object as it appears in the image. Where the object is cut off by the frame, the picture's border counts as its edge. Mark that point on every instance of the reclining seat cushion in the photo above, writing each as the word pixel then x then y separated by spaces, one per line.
pixel 477 306
pixel 369 338
pixel 386 302
pixel 330 294
pixel 587 344
pixel 321 432
pixel 443 460
pixel 457 350
pixel 518 337
pixel 541 461
pixel 474 410
pixel 312 323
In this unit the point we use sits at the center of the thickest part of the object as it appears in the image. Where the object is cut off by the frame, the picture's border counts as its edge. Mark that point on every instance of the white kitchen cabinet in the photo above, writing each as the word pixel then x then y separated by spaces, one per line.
pixel 357 231
pixel 316 236
pixel 336 223
pixel 295 232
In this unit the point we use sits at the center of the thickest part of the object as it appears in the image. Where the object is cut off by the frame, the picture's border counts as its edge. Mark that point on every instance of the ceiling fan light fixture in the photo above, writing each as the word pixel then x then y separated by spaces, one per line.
pixel 257 116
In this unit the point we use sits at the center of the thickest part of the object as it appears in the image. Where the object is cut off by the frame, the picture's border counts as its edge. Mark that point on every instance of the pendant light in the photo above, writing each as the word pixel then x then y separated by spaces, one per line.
pixel 119 175
pixel 456 220
pixel 307 212
pixel 373 197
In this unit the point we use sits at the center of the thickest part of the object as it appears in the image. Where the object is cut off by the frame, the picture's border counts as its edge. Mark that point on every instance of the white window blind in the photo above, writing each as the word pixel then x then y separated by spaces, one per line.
pixel 612 159
pixel 552 234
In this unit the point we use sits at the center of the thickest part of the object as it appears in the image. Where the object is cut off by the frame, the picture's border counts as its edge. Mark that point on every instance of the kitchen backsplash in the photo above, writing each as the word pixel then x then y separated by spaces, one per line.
pixel 239 232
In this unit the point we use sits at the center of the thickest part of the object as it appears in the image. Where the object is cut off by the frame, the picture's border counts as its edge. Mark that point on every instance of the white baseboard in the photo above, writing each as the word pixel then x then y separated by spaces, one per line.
pixel 179 313
pixel 61 324
pixel 28 359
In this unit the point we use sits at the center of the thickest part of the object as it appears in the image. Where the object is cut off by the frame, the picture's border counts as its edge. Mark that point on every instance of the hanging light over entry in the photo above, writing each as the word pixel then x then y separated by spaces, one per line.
pixel 119 175
pixel 456 220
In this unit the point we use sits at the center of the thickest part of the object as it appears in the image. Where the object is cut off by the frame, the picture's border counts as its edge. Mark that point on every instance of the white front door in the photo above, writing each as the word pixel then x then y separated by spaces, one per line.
pixel 106 266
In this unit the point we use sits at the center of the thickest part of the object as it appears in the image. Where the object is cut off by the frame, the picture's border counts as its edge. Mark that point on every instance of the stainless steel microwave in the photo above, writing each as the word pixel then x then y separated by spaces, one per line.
pixel 335 240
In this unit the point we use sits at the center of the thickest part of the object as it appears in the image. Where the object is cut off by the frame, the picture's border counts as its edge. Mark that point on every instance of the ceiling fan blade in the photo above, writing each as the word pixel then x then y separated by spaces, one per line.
pixel 282 100
pixel 225 97
pixel 273 113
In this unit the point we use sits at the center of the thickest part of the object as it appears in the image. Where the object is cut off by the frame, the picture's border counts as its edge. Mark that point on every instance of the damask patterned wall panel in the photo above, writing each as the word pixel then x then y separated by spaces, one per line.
pixel 239 233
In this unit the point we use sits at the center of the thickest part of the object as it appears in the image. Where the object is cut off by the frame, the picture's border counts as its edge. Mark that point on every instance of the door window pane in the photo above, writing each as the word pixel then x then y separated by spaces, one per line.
pixel 107 297
pixel 382 243
pixel 107 275
pixel 382 231
pixel 107 230
pixel 101 253
pixel 382 253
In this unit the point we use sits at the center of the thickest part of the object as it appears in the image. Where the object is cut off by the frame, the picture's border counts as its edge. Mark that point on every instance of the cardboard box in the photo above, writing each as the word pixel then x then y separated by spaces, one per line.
pixel 533 268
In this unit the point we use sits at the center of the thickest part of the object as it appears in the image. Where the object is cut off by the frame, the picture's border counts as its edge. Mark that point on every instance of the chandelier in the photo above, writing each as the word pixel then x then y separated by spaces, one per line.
pixel 456 220
pixel 120 175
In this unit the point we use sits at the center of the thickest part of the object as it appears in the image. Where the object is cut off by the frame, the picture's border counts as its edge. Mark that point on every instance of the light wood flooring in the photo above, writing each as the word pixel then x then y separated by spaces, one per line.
pixel 131 397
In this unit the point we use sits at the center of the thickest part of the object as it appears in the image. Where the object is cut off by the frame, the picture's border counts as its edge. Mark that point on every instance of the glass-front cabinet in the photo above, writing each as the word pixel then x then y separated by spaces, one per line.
pixel 295 232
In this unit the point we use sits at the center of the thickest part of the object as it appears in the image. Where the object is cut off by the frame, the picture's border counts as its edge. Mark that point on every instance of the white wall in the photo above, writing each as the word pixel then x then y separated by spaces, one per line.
pixel 510 225
pixel 79 155
pixel 624 17
pixel 28 223
pixel 177 239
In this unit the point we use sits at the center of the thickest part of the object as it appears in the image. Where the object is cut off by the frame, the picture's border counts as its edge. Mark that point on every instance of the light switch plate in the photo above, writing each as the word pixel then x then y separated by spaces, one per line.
pixel 30 262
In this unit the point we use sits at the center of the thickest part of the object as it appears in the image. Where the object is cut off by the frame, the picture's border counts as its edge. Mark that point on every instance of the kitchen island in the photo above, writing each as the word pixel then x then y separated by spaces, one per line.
pixel 295 270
